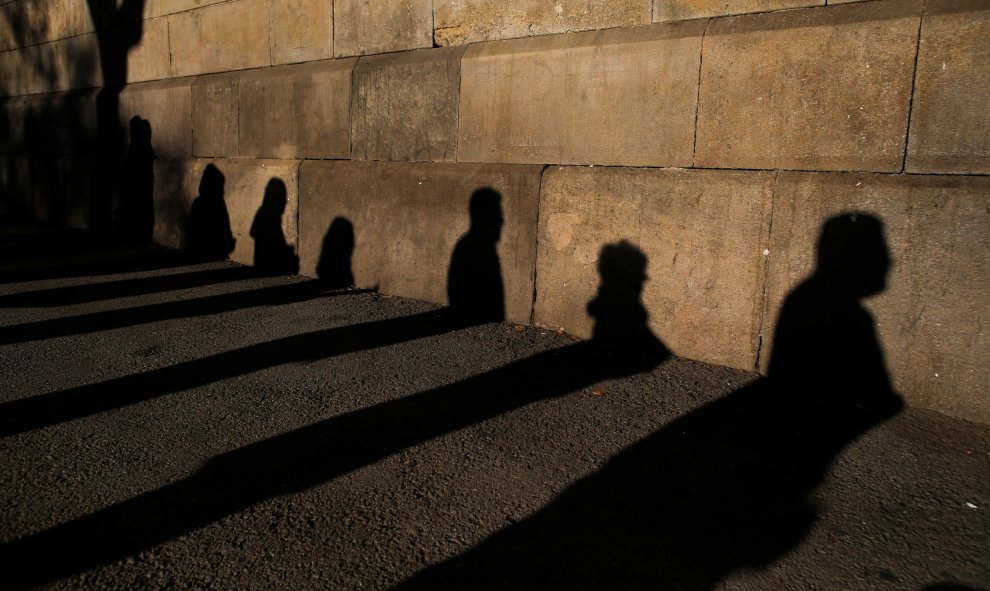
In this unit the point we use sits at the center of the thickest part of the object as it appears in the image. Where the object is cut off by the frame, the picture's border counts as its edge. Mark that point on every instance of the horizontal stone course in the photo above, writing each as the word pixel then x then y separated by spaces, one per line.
pixel 362 27
pixel 672 10
pixel 167 106
pixel 229 36
pixel 301 30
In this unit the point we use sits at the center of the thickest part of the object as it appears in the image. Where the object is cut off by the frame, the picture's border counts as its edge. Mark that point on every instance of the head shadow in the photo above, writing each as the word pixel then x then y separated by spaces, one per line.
pixel 334 268
pixel 474 279
pixel 209 234
pixel 272 254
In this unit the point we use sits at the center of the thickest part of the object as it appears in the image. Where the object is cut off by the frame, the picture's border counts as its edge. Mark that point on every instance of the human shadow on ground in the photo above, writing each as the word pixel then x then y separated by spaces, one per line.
pixel 134 220
pixel 272 254
pixel 726 487
pixel 26 414
pixel 316 454
pixel 209 234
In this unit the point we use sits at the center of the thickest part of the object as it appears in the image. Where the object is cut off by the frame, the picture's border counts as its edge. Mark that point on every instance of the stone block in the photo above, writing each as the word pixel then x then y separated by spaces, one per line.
pixel 46 188
pixel 404 106
pixel 950 118
pixel 31 22
pixel 363 27
pixel 458 22
pixel 703 234
pixel 297 111
pixel 61 123
pixel 817 88
pixel 15 113
pixel 76 175
pixel 76 63
pixel 929 318
pixel 176 185
pixel 301 30
pixel 149 59
pixel 28 70
pixel 167 106
pixel 17 202
pixel 407 218
pixel 215 100
pixel 228 36
pixel 622 96
pixel 675 10
pixel 156 8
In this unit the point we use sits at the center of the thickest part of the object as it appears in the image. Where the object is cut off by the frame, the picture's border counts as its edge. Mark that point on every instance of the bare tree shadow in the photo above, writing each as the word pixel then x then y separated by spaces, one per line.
pixel 726 487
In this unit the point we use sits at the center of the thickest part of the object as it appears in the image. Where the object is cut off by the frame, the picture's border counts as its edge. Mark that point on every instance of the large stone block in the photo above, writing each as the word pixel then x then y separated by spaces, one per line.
pixel 703 234
pixel 60 123
pixel 623 96
pixel 30 22
pixel 77 63
pixel 176 185
pixel 818 88
pixel 229 36
pixel 675 10
pixel 298 111
pixel 458 22
pixel 363 27
pixel 167 106
pixel 929 318
pixel 301 30
pixel 950 118
pixel 156 8
pixel 407 218
pixel 149 59
pixel 404 106
pixel 215 100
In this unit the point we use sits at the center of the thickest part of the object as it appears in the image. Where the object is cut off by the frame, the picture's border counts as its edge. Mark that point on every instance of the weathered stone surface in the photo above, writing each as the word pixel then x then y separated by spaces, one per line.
pixel 215 99
pixel 60 123
pixel 167 105
pixel 60 65
pixel 950 119
pixel 817 88
pixel 15 185
pixel 363 27
pixel 176 186
pixel 38 21
pixel 46 187
pixel 674 10
pixel 76 176
pixel 404 106
pixel 703 233
pixel 14 115
pixel 77 63
pixel 929 318
pixel 229 36
pixel 297 111
pixel 458 22
pixel 407 218
pixel 624 96
pixel 149 59
pixel 301 30
pixel 155 8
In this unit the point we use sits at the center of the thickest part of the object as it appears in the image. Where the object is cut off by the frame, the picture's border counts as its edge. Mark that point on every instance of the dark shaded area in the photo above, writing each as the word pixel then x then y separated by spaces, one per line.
pixel 134 221
pixel 121 288
pixel 272 254
pixel 97 262
pixel 217 304
pixel 312 455
pixel 474 279
pixel 209 223
pixel 334 268
pixel 728 486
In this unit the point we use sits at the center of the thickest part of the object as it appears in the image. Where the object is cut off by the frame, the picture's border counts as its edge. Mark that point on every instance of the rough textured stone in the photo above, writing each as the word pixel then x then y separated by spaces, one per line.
pixel 167 105
pixel 364 26
pixel 458 22
pixel 77 63
pixel 46 187
pixel 625 96
pixel 404 106
pixel 950 118
pixel 215 114
pixel 407 218
pixel 816 88
pixel 301 30
pixel 229 36
pixel 38 21
pixel 703 233
pixel 155 8
pixel 674 10
pixel 14 115
pixel 60 123
pixel 929 319
pixel 298 111
pixel 176 186
pixel 149 59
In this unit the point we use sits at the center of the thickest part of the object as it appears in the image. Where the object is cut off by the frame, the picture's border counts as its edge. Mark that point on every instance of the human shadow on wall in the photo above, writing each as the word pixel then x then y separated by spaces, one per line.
pixel 474 279
pixel 334 267
pixel 134 220
pixel 726 487
pixel 209 234
pixel 272 254
pixel 306 457
pixel 48 409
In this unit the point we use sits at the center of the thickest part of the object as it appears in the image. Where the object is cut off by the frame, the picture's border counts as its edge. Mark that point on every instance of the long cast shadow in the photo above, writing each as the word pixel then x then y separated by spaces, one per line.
pixel 321 452
pixel 111 263
pixel 726 487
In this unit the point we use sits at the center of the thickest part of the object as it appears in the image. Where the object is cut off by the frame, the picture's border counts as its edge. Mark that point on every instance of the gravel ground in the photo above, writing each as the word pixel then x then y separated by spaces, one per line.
pixel 198 426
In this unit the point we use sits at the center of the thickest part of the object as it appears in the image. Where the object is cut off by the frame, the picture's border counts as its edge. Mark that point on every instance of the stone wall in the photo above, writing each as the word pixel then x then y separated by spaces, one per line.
pixel 718 137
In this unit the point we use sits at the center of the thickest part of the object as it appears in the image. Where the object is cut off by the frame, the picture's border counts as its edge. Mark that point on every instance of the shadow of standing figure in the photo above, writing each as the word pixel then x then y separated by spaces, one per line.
pixel 474 279
pixel 334 268
pixel 209 223
pixel 729 486
pixel 272 254
pixel 134 220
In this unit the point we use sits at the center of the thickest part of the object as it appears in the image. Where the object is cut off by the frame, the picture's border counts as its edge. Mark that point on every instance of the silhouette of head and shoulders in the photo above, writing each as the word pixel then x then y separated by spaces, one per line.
pixel 209 223
pixel 334 268
pixel 474 280
pixel 272 254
